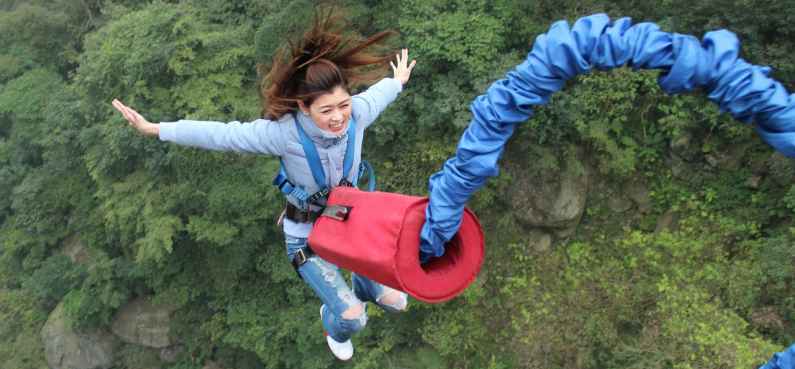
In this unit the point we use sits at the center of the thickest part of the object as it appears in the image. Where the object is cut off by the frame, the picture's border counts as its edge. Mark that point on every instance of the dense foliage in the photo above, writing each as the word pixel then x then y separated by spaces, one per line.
pixel 195 228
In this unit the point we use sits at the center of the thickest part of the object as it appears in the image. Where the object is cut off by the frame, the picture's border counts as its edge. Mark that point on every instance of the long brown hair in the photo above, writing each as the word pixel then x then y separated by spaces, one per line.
pixel 323 59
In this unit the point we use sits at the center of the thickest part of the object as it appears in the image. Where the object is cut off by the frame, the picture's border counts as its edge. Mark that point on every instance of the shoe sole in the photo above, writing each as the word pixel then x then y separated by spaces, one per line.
pixel 325 334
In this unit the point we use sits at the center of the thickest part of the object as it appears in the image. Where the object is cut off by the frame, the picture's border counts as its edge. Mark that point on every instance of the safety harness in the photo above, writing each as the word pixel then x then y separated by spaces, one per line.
pixel 304 213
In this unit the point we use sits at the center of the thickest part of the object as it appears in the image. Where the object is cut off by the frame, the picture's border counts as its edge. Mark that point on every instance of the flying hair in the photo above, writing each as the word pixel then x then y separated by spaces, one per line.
pixel 324 58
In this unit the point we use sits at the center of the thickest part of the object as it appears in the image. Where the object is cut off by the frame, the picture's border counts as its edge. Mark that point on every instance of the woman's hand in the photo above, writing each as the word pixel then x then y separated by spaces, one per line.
pixel 138 122
pixel 401 68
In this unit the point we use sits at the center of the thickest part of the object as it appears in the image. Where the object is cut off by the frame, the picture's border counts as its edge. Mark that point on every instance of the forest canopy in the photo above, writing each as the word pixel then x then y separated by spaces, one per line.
pixel 680 252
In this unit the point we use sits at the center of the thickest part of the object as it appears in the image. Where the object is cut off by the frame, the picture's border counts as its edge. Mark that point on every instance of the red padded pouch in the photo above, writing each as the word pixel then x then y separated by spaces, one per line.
pixel 380 239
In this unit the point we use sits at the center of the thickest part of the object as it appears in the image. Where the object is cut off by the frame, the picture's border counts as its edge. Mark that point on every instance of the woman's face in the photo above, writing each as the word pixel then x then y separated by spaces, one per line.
pixel 330 111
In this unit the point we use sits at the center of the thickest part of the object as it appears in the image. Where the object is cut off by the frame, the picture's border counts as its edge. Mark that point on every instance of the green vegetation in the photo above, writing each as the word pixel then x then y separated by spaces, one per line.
pixel 712 288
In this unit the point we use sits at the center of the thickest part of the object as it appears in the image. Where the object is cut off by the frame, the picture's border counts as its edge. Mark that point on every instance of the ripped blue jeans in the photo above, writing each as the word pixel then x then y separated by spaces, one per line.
pixel 328 283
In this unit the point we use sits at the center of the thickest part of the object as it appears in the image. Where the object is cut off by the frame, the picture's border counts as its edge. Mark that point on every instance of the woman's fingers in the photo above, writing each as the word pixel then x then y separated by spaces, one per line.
pixel 401 66
pixel 135 119
pixel 130 115
pixel 120 107
pixel 138 117
pixel 116 104
pixel 402 58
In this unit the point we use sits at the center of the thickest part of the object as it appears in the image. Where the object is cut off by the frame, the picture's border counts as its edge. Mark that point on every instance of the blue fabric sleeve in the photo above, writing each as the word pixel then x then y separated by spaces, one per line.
pixel 260 136
pixel 370 103
pixel 782 360
pixel 595 42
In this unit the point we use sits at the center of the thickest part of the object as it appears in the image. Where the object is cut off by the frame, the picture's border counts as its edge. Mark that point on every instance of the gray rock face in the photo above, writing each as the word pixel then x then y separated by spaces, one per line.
pixel 753 182
pixel 142 323
pixel 552 200
pixel 539 241
pixel 668 222
pixel 170 354
pixel 212 365
pixel 684 147
pixel 66 349
pixel 767 317
pixel 678 167
pixel 75 250
pixel 781 169
pixel 639 194
pixel 618 204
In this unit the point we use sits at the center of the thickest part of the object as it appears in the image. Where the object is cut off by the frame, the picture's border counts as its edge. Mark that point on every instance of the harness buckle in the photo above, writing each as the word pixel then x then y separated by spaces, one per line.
pixel 299 258
pixel 337 212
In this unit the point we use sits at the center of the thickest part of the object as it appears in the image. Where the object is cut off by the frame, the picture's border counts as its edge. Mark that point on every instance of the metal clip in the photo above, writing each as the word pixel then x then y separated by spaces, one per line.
pixel 337 212
pixel 300 257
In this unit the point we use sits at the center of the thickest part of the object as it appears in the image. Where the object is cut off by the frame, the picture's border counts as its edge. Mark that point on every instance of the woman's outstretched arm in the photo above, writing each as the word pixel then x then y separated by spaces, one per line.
pixel 260 136
pixel 369 104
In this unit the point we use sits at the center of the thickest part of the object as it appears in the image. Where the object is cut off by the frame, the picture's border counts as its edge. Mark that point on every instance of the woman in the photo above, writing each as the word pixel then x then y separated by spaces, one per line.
pixel 306 94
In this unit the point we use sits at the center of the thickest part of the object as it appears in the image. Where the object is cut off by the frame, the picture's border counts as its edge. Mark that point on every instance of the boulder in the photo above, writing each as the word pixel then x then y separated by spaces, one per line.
pixel 143 323
pixel 209 364
pixel 781 169
pixel 668 222
pixel 73 248
pixel 684 146
pixel 712 159
pixel 679 168
pixel 553 199
pixel 724 160
pixel 767 317
pixel 734 156
pixel 171 353
pixel 65 348
pixel 539 241
pixel 639 194
pixel 618 203
pixel 753 182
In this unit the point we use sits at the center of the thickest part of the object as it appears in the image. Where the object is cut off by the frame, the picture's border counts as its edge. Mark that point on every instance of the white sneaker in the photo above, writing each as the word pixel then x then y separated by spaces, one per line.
pixel 342 350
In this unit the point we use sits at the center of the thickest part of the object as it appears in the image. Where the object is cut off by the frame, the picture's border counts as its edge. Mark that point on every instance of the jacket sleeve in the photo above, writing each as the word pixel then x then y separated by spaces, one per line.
pixel 369 104
pixel 260 136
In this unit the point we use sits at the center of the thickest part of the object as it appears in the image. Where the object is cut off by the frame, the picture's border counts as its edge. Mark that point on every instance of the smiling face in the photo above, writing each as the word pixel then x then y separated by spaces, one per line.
pixel 330 111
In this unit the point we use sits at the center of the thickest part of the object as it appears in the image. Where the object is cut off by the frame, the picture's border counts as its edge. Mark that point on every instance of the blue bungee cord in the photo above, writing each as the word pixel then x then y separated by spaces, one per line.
pixel 594 42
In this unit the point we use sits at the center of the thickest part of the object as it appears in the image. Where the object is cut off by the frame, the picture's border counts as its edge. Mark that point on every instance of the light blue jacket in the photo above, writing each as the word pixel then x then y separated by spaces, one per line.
pixel 280 138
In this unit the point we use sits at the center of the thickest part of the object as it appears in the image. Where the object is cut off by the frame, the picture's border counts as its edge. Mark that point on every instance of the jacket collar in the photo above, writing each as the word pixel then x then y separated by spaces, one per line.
pixel 319 137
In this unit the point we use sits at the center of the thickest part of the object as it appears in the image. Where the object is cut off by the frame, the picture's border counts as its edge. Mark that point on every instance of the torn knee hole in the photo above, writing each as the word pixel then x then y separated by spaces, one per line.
pixel 353 312
pixel 395 299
